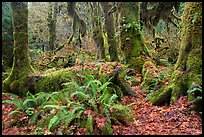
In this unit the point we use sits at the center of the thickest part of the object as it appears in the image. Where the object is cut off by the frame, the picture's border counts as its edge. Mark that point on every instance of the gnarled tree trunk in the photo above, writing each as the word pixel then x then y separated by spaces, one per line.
pixel 132 42
pixel 188 68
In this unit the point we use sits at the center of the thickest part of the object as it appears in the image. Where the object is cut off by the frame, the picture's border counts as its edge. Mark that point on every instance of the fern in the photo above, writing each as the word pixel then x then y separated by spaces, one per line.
pixel 29 103
pixel 90 124
pixel 29 111
pixel 82 96
pixel 78 115
pixel 104 97
pixel 112 99
pixel 52 122
pixel 54 106
pixel 33 119
pixel 107 129
pixel 194 90
pixel 68 119
pixel 41 97
pixel 94 85
pixel 104 86
pixel 77 108
pixel 14 112
pixel 17 102
pixel 93 104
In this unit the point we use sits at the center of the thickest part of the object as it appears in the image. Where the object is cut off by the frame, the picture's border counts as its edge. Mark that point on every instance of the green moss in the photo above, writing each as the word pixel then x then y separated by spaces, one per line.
pixel 52 81
pixel 132 41
pixel 137 63
pixel 160 96
pixel 149 80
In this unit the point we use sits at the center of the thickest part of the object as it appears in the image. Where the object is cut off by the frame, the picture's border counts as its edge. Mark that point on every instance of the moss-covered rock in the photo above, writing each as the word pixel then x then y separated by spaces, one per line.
pixel 149 73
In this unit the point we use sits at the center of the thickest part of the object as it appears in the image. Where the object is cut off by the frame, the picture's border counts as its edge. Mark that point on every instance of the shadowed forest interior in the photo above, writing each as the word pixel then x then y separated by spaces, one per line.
pixel 102 68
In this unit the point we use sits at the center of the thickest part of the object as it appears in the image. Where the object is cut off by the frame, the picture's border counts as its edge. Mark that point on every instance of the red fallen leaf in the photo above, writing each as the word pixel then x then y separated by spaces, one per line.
pixel 88 112
pixel 100 122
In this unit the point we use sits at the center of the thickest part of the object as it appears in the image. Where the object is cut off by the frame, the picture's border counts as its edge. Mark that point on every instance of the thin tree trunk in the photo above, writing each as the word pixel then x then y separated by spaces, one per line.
pixel 97 31
pixel 52 19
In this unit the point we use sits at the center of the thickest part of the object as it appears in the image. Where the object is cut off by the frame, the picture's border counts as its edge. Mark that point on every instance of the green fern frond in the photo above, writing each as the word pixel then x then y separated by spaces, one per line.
pixel 18 103
pixel 112 99
pixel 80 95
pixel 88 78
pixel 29 111
pixel 68 119
pixel 107 130
pixel 89 124
pixel 29 95
pixel 14 112
pixel 104 86
pixel 54 106
pixel 71 84
pixel 52 122
pixel 77 108
pixel 29 103
pixel 194 90
pixel 121 107
pixel 69 103
pixel 41 97
pixel 93 104
pixel 78 115
pixel 33 119
pixel 133 103
pixel 94 85
pixel 104 98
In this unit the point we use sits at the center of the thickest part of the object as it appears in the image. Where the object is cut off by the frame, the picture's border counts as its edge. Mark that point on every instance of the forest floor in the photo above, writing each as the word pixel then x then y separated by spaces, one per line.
pixel 175 119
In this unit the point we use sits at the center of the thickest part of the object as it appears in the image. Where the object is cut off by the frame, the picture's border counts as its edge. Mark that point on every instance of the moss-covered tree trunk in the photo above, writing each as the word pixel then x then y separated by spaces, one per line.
pixel 52 19
pixel 132 41
pixel 97 31
pixel 78 23
pixel 16 81
pixel 188 68
pixel 109 27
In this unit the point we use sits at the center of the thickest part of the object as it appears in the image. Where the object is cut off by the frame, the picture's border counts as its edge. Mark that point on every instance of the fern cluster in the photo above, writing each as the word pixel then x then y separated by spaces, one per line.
pixel 92 105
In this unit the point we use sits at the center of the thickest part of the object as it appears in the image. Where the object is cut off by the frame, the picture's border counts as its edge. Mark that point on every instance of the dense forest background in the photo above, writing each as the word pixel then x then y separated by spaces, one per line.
pixel 101 67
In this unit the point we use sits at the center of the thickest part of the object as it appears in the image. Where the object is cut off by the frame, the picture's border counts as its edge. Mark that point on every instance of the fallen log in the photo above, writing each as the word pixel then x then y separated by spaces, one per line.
pixel 52 80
